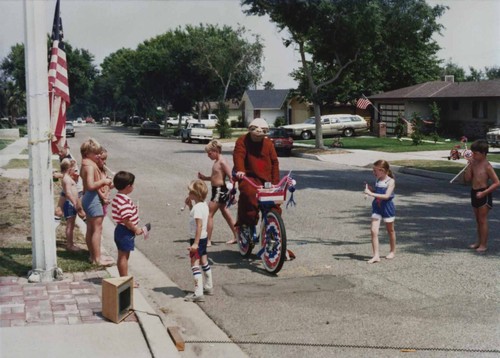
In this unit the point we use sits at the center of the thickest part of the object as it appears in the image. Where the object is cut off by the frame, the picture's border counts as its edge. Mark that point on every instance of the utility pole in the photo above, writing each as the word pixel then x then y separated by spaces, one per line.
pixel 40 157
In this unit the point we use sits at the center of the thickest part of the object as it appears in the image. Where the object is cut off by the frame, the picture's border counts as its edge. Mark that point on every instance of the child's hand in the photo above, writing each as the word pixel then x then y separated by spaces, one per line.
pixel 367 190
pixel 200 176
pixel 480 195
pixel 193 248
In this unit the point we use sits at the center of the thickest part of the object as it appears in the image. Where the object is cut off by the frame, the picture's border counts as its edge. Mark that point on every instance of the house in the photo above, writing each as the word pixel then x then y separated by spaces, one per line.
pixel 272 104
pixel 466 108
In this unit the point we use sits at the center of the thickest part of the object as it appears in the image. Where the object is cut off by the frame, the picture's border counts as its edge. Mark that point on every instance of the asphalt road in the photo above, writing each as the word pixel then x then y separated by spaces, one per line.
pixel 436 296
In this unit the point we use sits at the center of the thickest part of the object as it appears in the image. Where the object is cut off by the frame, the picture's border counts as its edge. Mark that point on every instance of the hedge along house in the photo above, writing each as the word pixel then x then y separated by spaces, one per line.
pixel 466 108
pixel 271 105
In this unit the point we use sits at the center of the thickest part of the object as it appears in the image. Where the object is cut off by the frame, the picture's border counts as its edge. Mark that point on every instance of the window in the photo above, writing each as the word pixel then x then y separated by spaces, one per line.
pixel 480 109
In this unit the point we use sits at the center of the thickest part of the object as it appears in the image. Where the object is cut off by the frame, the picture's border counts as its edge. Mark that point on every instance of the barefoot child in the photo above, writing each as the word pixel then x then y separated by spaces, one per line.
pixel 382 207
pixel 198 218
pixel 126 216
pixel 72 204
pixel 481 174
pixel 92 182
pixel 220 193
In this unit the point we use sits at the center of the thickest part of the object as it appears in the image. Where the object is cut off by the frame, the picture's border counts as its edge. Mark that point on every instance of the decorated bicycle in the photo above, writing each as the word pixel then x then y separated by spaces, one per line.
pixel 270 232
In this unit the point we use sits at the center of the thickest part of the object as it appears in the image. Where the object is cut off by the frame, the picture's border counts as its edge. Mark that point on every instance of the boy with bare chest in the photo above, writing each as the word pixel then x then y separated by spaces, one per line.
pixel 484 181
pixel 220 192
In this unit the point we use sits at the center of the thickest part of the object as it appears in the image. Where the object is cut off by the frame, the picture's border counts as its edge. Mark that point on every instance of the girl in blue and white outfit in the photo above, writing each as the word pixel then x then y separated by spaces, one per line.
pixel 382 207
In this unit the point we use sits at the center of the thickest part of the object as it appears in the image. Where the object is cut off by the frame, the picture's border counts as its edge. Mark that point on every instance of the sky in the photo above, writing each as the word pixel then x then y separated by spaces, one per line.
pixel 471 36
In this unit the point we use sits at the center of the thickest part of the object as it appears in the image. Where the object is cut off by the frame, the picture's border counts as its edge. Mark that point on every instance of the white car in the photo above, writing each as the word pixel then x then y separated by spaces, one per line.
pixel 332 124
pixel 493 137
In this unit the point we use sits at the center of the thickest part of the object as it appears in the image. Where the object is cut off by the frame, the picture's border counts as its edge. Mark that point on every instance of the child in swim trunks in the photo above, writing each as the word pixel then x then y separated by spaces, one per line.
pixel 220 192
pixel 480 173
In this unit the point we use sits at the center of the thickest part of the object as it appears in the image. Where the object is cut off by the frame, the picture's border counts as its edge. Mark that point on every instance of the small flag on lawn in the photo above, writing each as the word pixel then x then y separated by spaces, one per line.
pixel 58 85
pixel 363 103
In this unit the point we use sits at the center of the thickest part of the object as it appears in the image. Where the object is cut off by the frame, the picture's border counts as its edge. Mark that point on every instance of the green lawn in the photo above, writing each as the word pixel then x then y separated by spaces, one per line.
pixel 387 144
pixel 392 145
pixel 5 142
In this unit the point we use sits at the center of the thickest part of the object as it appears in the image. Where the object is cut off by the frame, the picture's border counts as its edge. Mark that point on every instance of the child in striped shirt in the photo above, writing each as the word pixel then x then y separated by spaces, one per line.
pixel 126 215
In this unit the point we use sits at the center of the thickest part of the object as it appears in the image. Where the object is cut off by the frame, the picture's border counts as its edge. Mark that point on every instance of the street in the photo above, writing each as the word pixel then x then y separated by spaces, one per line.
pixel 435 295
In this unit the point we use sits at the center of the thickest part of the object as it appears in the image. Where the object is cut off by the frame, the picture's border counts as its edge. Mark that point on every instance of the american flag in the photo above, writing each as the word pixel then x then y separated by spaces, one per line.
pixel 362 103
pixel 58 85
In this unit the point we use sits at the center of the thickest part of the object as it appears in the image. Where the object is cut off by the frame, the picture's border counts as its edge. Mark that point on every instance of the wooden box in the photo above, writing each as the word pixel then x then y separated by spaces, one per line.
pixel 117 298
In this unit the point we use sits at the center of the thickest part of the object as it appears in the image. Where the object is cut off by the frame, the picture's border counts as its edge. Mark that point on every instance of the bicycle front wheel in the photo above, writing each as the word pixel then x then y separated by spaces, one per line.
pixel 273 238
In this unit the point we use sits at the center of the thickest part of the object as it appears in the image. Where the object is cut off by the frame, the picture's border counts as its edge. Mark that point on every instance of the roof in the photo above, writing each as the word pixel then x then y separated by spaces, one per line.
pixel 267 99
pixel 442 89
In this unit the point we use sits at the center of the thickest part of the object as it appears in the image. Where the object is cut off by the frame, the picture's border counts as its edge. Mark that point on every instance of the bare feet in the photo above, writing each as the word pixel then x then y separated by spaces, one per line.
pixel 209 243
pixel 73 248
pixel 374 260
pixel 474 246
pixel 136 284
pixel 390 256
pixel 481 249
pixel 230 242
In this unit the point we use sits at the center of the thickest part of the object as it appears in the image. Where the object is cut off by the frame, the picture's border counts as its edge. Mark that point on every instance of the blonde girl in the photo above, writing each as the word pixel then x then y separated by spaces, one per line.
pixel 382 207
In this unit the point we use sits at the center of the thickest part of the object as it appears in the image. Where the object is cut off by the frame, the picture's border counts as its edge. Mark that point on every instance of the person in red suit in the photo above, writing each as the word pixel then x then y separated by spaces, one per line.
pixel 255 157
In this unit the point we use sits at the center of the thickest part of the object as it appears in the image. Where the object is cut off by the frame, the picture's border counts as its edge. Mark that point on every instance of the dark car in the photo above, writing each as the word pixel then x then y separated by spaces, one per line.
pixel 21 121
pixel 150 127
pixel 283 143
pixel 70 129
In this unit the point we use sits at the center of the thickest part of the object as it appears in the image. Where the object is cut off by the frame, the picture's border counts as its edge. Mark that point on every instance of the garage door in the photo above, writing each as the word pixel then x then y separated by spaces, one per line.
pixel 389 114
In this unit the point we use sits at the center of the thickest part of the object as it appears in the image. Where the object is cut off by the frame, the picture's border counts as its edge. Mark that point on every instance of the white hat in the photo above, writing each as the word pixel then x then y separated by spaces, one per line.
pixel 259 122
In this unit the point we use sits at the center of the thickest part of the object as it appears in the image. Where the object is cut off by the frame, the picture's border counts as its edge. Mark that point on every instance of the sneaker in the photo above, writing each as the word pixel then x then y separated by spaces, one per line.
pixel 145 231
pixel 208 291
pixel 193 298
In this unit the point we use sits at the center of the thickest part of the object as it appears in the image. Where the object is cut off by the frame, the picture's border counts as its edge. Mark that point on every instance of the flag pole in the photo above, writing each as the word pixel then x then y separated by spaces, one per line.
pixel 44 259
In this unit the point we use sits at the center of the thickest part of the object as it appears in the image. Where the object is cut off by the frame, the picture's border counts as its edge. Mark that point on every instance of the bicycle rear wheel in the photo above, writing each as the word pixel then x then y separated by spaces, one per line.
pixel 245 240
pixel 273 238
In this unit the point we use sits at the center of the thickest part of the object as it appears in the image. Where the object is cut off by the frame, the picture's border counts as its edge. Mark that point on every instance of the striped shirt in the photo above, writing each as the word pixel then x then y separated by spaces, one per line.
pixel 123 208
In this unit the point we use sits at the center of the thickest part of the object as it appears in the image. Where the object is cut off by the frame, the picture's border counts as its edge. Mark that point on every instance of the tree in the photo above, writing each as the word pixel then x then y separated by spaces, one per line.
pixel 268 85
pixel 81 75
pixel 474 75
pixel 452 69
pixel 364 44
pixel 492 73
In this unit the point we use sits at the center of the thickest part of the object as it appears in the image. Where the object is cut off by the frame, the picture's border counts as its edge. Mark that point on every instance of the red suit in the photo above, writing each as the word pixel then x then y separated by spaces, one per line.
pixel 259 162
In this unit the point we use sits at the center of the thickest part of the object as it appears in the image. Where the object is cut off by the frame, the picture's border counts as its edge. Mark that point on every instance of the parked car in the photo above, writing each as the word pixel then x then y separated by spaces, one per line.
pixel 70 129
pixel 283 143
pixel 493 137
pixel 89 120
pixel 150 127
pixel 20 121
pixel 196 131
pixel 332 124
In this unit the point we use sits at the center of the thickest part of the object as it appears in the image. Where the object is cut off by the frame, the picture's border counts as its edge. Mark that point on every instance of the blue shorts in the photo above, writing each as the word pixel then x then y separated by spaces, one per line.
pixel 69 209
pixel 124 238
pixel 202 248
pixel 92 204
pixel 383 209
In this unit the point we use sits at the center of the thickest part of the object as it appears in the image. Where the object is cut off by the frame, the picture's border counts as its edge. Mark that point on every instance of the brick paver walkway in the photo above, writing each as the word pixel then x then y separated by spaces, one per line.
pixel 74 300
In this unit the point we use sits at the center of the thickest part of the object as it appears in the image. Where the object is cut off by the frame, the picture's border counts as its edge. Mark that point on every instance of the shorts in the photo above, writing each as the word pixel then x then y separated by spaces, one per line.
pixel 69 209
pixel 382 209
pixel 478 203
pixel 92 204
pixel 202 248
pixel 220 194
pixel 124 238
